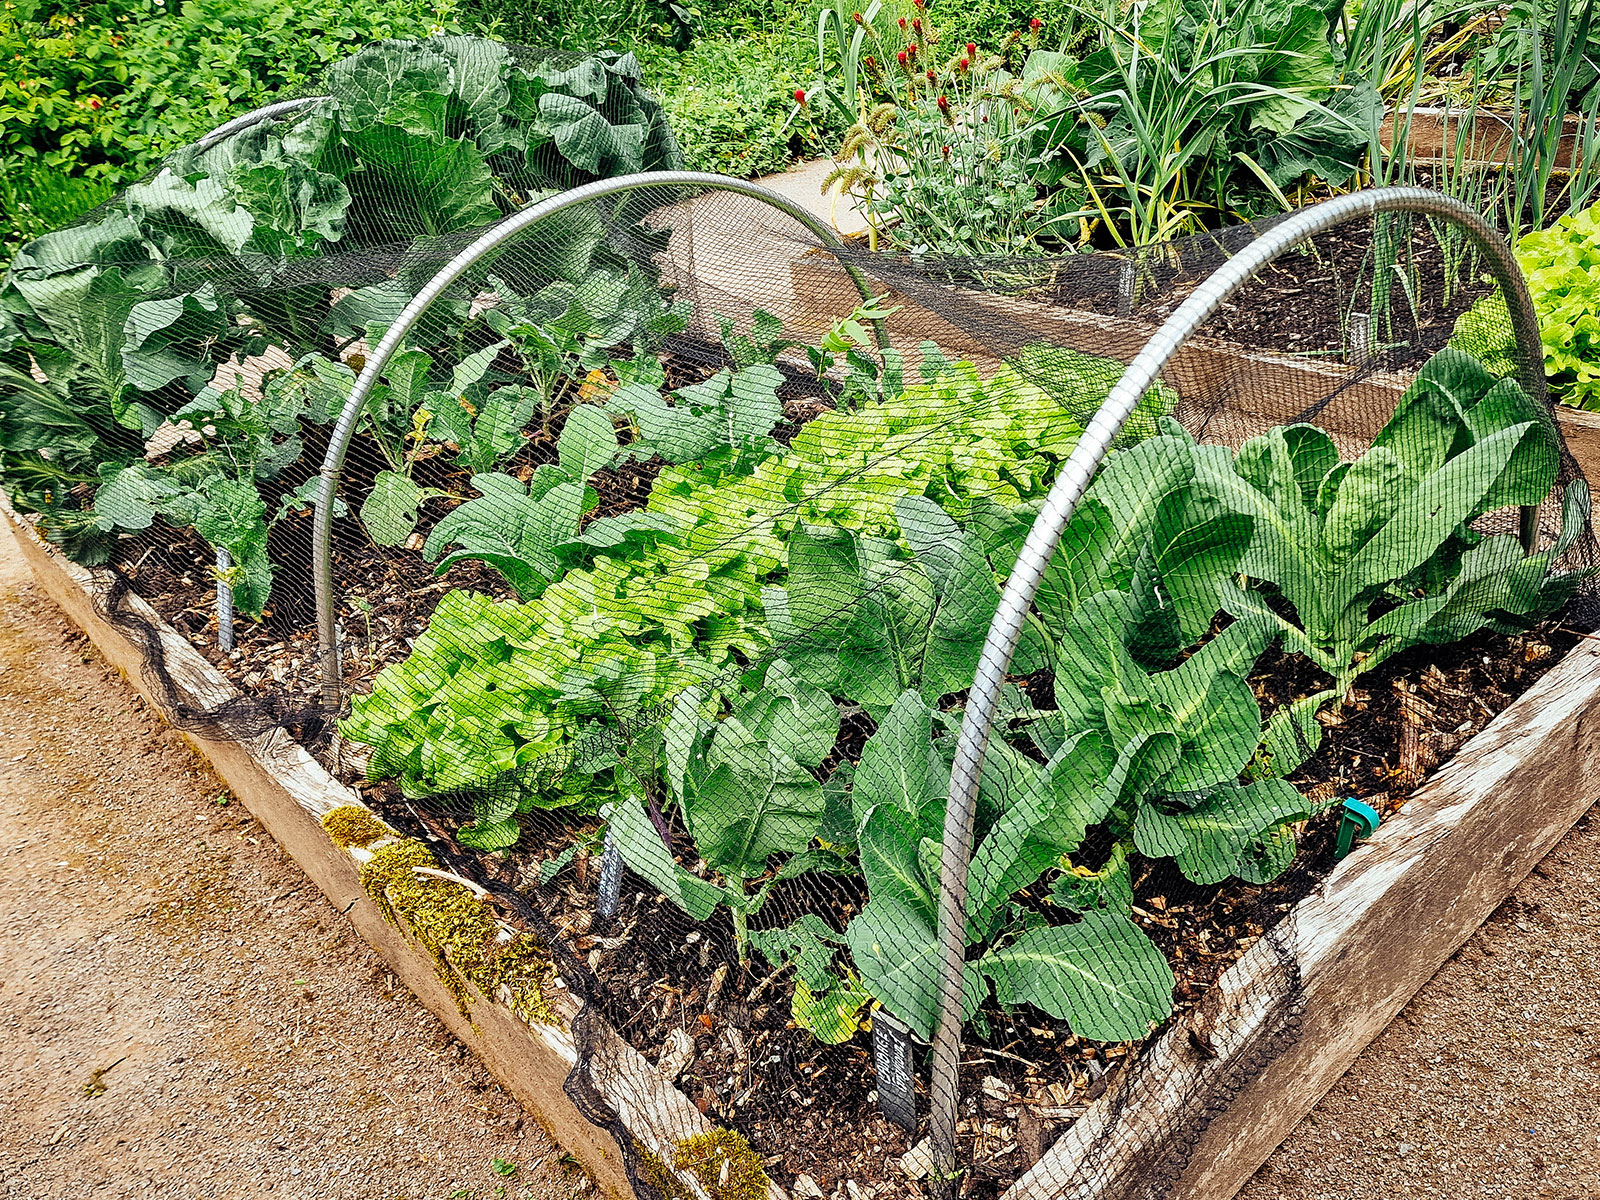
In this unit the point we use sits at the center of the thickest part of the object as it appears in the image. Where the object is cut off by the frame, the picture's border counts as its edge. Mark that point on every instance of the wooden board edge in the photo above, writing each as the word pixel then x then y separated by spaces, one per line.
pixel 287 790
pixel 1362 946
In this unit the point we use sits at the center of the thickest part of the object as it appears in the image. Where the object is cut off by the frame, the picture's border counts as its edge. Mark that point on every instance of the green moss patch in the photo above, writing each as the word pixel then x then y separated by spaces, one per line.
pixel 461 934
pixel 720 1161
pixel 351 825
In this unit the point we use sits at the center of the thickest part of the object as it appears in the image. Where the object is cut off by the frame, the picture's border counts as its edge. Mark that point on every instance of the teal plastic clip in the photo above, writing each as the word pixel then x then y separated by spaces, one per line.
pixel 1357 821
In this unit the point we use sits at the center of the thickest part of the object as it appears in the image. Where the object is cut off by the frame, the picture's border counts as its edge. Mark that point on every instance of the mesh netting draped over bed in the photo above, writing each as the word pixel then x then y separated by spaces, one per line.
pixel 662 560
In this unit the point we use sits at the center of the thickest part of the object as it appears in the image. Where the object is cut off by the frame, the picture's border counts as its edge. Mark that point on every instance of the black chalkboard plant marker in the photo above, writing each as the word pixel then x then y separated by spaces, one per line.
pixel 891 1054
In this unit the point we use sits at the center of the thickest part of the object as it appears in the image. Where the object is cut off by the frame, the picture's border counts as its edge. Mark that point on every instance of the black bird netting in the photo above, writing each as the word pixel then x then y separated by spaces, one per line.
pixel 664 542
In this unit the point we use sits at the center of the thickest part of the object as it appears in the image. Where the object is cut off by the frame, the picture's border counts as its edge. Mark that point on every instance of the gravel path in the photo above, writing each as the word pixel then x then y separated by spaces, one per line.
pixel 182 1013
pixel 1488 1082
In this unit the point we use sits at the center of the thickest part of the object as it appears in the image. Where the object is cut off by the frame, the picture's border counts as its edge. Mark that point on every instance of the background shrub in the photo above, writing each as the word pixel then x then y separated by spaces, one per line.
pixel 730 101
pixel 93 95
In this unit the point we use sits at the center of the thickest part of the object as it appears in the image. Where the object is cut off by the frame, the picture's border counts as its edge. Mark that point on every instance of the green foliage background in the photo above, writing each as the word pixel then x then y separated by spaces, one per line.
pixel 94 94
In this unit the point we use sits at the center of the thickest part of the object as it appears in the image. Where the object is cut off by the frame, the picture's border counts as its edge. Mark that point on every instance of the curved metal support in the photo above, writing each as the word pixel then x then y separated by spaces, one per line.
pixel 1076 473
pixel 255 117
pixel 492 239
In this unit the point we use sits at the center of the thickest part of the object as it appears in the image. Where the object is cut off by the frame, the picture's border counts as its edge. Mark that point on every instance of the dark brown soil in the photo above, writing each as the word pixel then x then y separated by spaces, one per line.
pixel 1301 303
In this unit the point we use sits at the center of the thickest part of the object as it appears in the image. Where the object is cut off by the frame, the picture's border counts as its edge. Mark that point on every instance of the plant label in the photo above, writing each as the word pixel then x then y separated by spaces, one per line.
pixel 897 1086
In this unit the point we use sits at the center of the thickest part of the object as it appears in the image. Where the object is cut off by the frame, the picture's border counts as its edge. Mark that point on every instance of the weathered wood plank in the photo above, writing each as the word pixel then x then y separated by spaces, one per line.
pixel 1361 947
pixel 288 791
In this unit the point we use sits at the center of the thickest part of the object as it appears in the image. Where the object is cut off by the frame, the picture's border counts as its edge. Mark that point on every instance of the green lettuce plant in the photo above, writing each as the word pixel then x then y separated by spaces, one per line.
pixel 692 601
pixel 1560 264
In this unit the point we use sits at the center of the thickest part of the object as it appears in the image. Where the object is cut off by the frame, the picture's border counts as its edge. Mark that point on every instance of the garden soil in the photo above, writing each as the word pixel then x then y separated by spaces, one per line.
pixel 182 1013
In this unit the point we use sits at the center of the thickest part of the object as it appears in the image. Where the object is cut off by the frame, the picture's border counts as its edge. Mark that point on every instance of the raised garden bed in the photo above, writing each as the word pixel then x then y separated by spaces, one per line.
pixel 1043 1111
pixel 523 1030
pixel 1361 945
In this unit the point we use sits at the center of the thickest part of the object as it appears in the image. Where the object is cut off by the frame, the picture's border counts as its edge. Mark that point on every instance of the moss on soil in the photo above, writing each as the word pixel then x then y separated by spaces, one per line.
pixel 721 1161
pixel 459 931
pixel 351 825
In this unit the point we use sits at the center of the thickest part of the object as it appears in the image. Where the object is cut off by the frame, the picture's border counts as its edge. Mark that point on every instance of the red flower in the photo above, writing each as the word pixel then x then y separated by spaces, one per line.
pixel 947 151
pixel 972 48
pixel 944 103
pixel 912 49
pixel 856 18
pixel 966 64
pixel 870 61
pixel 1035 24
pixel 916 23
pixel 799 95
pixel 94 101
pixel 901 57
pixel 902 22
pixel 930 76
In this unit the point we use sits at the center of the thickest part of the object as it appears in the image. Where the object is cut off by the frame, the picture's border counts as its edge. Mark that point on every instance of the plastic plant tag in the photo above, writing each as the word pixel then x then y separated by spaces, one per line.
pixel 891 1053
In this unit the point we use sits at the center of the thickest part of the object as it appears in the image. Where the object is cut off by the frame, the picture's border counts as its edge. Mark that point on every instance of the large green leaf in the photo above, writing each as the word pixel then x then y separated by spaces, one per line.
pixel 1046 819
pixel 899 766
pixel 897 952
pixel 588 442
pixel 742 814
pixel 1101 975
pixel 419 184
pixel 642 849
pixel 170 340
pixel 390 510
pixel 1217 838
pixel 393 82
pixel 888 842
pixel 1428 515
pixel 587 140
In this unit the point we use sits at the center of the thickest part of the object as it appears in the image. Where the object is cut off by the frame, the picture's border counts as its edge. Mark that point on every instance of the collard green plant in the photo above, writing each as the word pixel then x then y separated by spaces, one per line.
pixel 529 532
pixel 733 410
pixel 860 621
pixel 1378 555
pixel 746 786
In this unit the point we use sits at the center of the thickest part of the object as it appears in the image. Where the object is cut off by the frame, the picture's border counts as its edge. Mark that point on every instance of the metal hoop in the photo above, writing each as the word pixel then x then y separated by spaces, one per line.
pixel 491 239
pixel 255 117
pixel 1023 584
